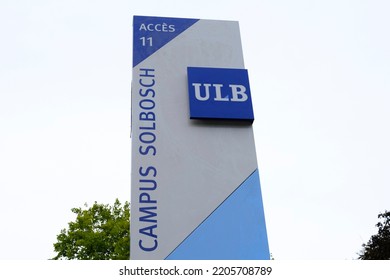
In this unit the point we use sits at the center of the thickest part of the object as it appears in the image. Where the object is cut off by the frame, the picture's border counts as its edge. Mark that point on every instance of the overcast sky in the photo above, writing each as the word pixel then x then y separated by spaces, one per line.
pixel 319 74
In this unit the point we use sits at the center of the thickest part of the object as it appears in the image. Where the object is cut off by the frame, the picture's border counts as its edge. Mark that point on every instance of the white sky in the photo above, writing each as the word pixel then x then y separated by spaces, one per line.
pixel 319 73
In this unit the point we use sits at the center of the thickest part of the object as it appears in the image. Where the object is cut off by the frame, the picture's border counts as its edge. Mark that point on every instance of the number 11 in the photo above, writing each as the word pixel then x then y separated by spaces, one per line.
pixel 146 41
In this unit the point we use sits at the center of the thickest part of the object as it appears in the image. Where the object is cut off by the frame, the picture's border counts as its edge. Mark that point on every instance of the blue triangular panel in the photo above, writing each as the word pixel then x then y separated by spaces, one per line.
pixel 235 230
pixel 152 33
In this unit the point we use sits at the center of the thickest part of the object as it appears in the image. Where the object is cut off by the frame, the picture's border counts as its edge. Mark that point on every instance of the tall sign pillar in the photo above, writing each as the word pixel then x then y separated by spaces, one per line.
pixel 195 188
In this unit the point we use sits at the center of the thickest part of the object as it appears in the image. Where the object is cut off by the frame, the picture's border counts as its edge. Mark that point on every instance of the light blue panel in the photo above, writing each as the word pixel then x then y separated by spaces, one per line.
pixel 235 230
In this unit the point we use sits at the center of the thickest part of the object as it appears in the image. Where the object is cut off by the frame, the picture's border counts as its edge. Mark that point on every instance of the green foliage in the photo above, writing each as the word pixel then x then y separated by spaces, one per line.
pixel 101 232
pixel 378 247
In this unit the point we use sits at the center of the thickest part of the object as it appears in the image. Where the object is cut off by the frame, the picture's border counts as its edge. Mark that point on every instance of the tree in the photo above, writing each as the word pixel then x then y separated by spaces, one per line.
pixel 378 247
pixel 101 232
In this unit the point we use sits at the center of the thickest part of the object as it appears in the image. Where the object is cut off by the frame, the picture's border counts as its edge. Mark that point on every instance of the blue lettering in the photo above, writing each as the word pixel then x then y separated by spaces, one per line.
pixel 147 171
pixel 146 72
pixel 147 104
pixel 146 93
pixel 147 137
pixel 149 214
pixel 148 84
pixel 148 231
pixel 145 150
pixel 145 198
pixel 152 188
pixel 154 247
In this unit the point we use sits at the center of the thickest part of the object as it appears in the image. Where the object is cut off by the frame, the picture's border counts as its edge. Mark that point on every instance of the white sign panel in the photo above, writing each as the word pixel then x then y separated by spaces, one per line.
pixel 195 188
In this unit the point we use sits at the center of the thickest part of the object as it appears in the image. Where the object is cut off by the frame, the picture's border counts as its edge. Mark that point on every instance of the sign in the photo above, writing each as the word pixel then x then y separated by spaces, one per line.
pixel 195 187
pixel 219 93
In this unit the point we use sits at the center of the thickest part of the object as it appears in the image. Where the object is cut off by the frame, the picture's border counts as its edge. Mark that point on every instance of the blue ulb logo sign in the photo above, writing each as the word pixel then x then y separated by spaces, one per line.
pixel 219 93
